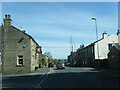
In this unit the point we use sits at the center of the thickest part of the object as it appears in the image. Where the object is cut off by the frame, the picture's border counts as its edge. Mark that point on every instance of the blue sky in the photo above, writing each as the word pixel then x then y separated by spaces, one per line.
pixel 52 23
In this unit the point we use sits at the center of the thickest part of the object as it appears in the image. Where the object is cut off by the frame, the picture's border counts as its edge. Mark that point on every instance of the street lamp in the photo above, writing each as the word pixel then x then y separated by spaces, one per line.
pixel 97 40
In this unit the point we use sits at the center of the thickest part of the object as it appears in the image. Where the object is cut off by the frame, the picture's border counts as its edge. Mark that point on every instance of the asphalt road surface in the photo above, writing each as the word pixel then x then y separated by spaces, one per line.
pixel 70 77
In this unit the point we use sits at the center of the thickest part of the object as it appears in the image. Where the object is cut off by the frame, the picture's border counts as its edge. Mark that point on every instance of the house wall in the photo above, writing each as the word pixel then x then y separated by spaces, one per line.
pixel 119 38
pixel 34 56
pixel 15 44
pixel 90 55
pixel 85 56
pixel 71 57
pixel 68 58
pixel 114 59
pixel 103 46
pixel 45 58
pixel 0 48
pixel 79 55
pixel 12 48
pixel 0 38
pixel 74 56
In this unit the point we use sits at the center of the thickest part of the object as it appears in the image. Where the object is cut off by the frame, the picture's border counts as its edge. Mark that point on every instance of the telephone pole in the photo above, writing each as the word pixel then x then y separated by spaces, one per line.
pixel 71 44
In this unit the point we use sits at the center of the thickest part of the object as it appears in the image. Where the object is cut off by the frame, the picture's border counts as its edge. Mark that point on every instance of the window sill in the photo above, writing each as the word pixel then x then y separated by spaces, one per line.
pixel 19 65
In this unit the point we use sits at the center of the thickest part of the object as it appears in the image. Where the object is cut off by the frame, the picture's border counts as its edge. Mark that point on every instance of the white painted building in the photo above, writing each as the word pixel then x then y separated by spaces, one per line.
pixel 0 48
pixel 0 62
pixel 105 44
pixel 107 41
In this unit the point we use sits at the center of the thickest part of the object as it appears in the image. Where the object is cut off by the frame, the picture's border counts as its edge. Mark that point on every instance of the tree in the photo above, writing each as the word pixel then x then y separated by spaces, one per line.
pixel 44 63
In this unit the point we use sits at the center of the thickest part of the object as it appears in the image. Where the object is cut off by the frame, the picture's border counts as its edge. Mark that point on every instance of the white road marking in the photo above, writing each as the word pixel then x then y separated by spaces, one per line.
pixel 39 85
pixel 45 76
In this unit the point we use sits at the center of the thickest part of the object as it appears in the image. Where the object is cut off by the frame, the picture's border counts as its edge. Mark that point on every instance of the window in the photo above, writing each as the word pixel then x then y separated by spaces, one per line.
pixel 20 60
pixel 109 46
pixel 21 39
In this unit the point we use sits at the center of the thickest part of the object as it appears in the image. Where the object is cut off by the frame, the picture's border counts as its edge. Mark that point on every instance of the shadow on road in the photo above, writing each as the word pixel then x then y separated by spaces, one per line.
pixel 93 78
pixel 80 80
pixel 27 81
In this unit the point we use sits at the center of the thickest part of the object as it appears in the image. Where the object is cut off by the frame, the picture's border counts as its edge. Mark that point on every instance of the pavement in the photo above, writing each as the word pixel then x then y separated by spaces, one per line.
pixel 40 71
pixel 115 73
pixel 0 81
pixel 46 70
pixel 80 77
pixel 35 78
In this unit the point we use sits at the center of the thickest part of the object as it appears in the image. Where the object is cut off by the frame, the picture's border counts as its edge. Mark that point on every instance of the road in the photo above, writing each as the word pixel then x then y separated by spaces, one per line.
pixel 70 77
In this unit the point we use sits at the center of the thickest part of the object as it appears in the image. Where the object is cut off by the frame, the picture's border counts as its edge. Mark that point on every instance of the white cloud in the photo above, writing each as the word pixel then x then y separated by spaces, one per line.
pixel 78 24
pixel 61 33
pixel 53 44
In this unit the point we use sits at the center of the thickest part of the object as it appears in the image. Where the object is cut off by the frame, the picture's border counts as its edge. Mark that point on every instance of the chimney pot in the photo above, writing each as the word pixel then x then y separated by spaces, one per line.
pixel 104 35
pixel 7 20
pixel 8 16
pixel 5 16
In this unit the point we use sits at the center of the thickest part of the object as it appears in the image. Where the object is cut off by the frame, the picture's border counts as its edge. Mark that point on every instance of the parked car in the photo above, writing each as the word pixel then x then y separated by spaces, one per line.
pixel 60 65
pixel 76 64
pixel 36 67
pixel 71 64
pixel 67 64
pixel 50 65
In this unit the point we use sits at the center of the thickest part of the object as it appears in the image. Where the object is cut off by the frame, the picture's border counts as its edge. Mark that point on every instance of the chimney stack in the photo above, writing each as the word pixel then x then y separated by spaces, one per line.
pixel 7 20
pixel 104 35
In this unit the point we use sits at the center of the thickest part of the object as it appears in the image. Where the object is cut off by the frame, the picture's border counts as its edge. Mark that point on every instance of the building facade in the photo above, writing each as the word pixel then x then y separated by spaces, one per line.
pixel 84 56
pixel 114 57
pixel 72 57
pixel 105 44
pixel 43 60
pixel 96 54
pixel 0 48
pixel 19 52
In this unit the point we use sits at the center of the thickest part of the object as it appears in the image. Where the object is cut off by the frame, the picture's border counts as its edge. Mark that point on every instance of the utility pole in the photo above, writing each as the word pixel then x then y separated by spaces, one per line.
pixel 71 44
pixel 97 41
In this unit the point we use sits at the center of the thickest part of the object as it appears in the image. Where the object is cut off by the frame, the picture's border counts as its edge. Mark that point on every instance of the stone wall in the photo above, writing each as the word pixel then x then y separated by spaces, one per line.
pixel 12 48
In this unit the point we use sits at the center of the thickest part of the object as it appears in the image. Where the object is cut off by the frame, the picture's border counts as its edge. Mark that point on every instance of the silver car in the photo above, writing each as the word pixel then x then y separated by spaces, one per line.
pixel 60 65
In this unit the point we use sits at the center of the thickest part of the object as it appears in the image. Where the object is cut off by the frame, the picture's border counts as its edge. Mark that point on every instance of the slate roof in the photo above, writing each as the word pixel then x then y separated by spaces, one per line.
pixel 117 47
pixel 26 34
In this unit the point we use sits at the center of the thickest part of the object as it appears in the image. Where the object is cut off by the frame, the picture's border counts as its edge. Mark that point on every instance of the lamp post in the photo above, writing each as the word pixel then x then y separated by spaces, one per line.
pixel 97 40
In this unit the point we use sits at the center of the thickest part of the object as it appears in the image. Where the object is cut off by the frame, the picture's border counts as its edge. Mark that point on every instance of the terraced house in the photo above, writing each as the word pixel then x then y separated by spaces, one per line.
pixel 88 55
pixel 20 52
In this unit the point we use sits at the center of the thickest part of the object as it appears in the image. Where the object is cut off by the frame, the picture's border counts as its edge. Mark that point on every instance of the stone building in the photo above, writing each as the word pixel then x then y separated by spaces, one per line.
pixel 104 46
pixel 114 57
pixel 0 38
pixel 20 52
pixel 88 55
pixel 0 49
pixel 72 57
pixel 43 60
